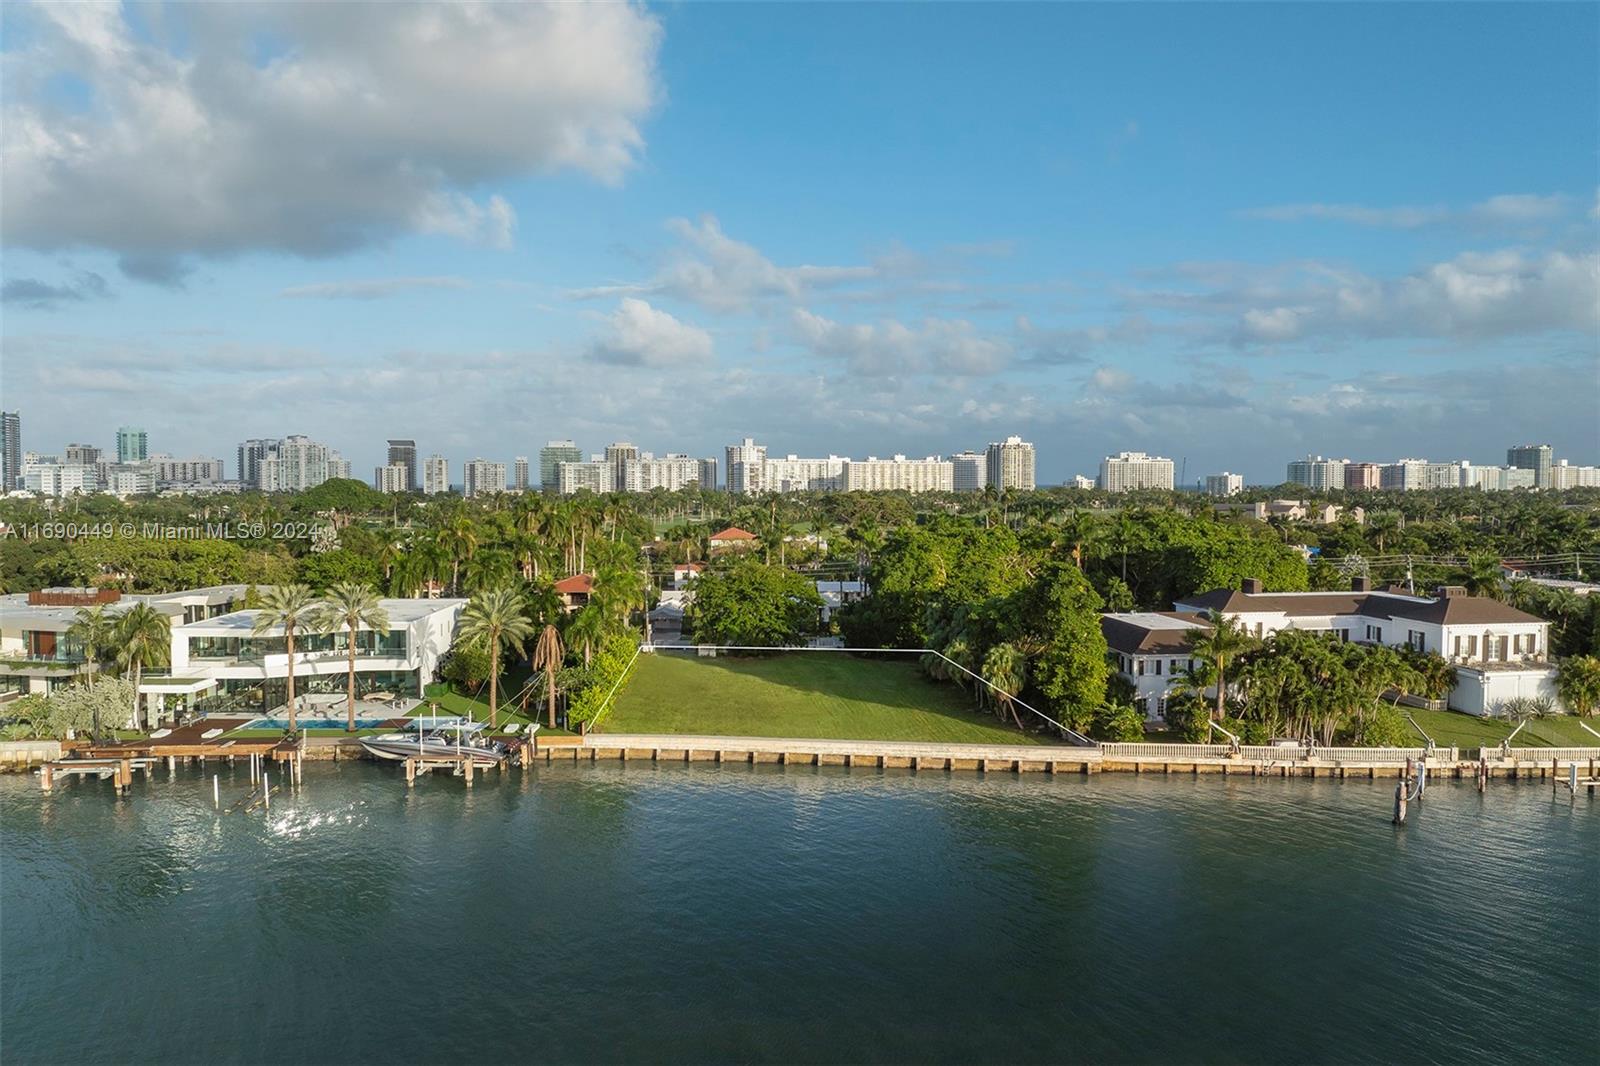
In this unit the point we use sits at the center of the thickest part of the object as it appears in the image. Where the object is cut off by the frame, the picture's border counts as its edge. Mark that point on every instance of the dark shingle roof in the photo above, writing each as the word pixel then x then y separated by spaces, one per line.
pixel 1442 610
pixel 1147 634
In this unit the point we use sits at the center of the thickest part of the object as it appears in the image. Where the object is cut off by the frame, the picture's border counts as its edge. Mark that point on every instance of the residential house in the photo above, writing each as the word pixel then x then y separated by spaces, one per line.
pixel 575 591
pixel 732 539
pixel 1151 652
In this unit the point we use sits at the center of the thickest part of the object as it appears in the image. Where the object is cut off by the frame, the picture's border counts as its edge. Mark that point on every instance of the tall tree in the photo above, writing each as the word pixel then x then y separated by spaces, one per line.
pixel 498 620
pixel 95 632
pixel 547 656
pixel 1005 668
pixel 143 638
pixel 349 606
pixel 1218 646
pixel 289 606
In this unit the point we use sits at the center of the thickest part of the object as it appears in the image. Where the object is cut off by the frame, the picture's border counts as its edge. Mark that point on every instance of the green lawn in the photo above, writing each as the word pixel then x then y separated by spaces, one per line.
pixel 1467 731
pixel 825 695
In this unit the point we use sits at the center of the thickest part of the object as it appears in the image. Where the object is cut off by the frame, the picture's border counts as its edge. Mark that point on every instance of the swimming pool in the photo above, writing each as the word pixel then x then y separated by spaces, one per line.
pixel 317 721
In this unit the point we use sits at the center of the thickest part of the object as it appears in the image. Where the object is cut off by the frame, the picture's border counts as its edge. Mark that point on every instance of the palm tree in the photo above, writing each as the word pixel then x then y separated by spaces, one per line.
pixel 289 606
pixel 498 619
pixel 460 538
pixel 143 638
pixel 349 606
pixel 1218 646
pixel 93 631
pixel 1005 668
pixel 1482 575
pixel 1383 525
pixel 547 656
pixel 587 628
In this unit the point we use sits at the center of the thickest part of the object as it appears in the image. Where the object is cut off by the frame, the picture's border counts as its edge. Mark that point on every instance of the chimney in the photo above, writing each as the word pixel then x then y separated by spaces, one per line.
pixel 1250 585
pixel 1361 584
pixel 1446 592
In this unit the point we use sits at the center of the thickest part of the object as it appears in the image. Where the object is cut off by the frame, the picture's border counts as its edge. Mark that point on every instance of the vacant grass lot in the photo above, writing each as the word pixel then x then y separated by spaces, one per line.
pixel 1468 731
pixel 823 695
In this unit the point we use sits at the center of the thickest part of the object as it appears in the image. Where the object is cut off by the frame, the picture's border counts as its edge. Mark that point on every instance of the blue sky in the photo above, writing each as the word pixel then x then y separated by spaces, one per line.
pixel 1230 234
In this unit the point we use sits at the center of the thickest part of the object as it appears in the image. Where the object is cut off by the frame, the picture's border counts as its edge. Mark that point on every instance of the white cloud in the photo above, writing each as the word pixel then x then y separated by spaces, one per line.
pixel 372 289
pixel 721 274
pixel 891 348
pixel 370 120
pixel 640 335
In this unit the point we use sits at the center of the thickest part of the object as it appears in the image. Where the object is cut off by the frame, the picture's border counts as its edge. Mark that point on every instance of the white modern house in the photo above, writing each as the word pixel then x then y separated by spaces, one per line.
pixel 1499 652
pixel 223 656
pixel 36 654
pixel 217 660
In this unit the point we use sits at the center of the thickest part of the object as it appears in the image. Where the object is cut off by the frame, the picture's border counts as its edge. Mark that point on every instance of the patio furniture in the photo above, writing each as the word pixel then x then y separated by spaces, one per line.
pixel 158 734
pixel 211 734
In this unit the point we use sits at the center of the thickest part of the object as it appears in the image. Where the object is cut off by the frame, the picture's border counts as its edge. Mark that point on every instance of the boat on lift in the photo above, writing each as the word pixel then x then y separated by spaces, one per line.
pixel 437 737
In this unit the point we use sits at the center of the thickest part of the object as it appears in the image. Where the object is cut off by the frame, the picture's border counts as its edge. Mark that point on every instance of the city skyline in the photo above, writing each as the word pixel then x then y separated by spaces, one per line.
pixel 1095 253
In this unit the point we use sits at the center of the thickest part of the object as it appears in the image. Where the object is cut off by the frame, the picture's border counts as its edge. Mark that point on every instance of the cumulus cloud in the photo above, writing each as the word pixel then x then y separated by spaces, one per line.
pixel 372 289
pixel 359 123
pixel 722 274
pixel 640 335
pixel 37 295
pixel 890 347
pixel 1475 296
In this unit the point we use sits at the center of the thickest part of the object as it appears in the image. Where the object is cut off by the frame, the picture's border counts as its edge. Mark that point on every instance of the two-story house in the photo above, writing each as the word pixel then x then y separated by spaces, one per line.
pixel 1151 652
pixel 1499 652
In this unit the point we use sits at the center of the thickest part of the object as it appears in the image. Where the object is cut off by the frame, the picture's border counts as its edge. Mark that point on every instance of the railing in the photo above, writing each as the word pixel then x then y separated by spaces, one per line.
pixel 1549 755
pixel 1164 751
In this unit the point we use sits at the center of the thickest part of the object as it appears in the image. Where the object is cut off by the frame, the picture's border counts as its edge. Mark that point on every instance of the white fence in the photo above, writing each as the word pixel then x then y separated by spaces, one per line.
pixel 1546 756
pixel 1164 751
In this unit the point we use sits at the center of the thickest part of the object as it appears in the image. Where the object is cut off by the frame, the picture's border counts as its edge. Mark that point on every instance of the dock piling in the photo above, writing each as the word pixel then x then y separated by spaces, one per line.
pixel 216 792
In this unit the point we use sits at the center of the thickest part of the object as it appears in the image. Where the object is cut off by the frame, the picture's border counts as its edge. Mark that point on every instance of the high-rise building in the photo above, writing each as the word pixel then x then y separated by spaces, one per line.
pixel 294 464
pixel 794 474
pixel 83 454
pixel 872 474
pixel 1010 464
pixel 1224 484
pixel 1535 457
pixel 435 475
pixel 1317 473
pixel 551 456
pixel 404 453
pixel 480 477
pixel 1363 477
pixel 708 474
pixel 596 475
pixel 10 450
pixel 519 474
pixel 970 471
pixel 672 473
pixel 171 472
pixel 133 446
pixel 1130 471
pixel 1401 475
pixel 51 478
pixel 1563 475
pixel 390 478
pixel 251 453
pixel 744 462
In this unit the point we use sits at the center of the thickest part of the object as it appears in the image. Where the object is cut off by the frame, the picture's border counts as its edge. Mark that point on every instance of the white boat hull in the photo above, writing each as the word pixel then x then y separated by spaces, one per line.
pixel 400 748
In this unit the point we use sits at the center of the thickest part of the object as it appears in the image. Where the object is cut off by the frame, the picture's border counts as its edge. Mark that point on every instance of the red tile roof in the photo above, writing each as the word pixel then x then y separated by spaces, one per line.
pixel 576 583
pixel 733 533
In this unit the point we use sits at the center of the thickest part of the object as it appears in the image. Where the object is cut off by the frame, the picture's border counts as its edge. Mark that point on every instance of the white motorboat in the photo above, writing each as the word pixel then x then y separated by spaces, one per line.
pixel 438 738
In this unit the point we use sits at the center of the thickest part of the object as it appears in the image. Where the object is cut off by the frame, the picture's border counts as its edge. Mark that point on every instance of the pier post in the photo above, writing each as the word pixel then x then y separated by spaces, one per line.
pixel 126 769
pixel 1400 802
pixel 172 766
pixel 411 773
pixel 466 770
pixel 1483 772
pixel 47 777
pixel 216 792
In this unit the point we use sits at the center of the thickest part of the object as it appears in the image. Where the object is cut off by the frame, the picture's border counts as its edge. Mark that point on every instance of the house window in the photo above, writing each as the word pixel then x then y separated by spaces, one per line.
pixel 1155 665
pixel 1375 634
pixel 1175 667
pixel 1416 639
pixel 1138 667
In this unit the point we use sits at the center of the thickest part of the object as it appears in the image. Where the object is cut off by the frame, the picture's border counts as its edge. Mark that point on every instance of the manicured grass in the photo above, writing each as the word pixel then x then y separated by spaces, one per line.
pixel 1467 731
pixel 823 695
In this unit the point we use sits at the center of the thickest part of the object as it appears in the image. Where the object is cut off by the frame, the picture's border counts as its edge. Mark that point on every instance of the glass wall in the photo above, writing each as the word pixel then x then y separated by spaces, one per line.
pixel 391 645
